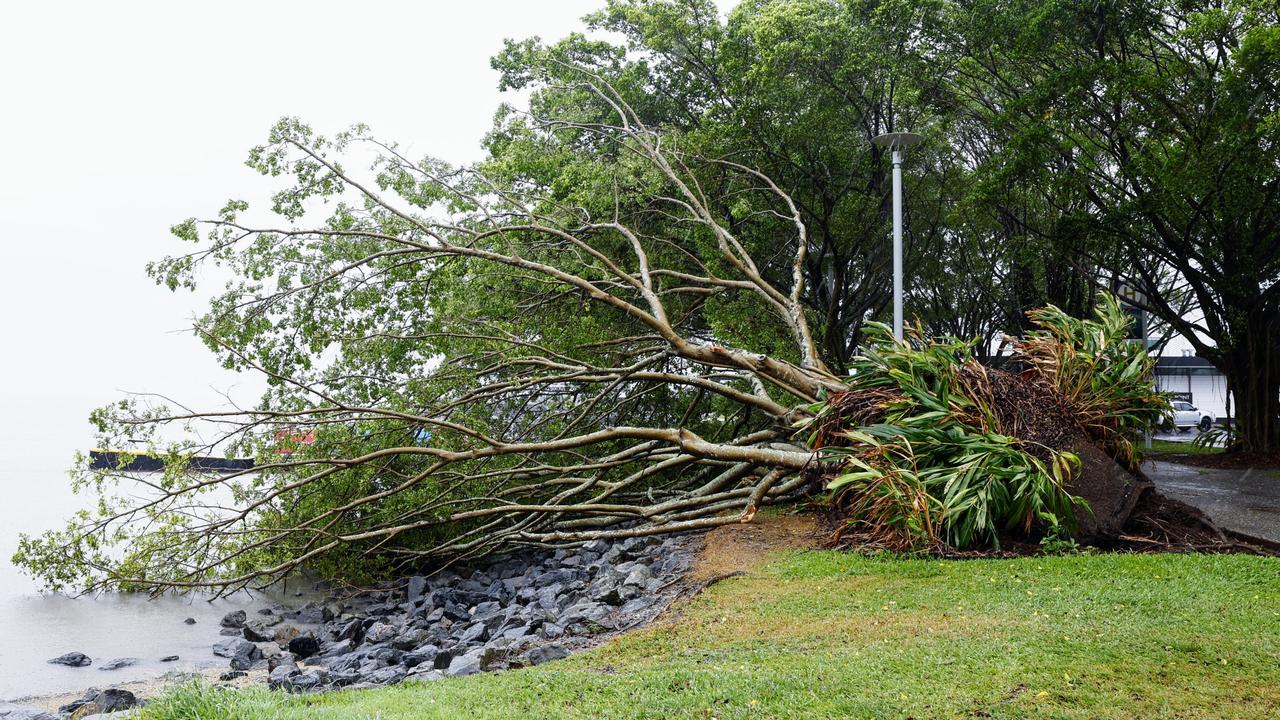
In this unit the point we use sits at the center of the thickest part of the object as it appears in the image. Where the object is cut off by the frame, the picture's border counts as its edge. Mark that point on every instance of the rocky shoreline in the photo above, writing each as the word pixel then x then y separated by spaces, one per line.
pixel 517 610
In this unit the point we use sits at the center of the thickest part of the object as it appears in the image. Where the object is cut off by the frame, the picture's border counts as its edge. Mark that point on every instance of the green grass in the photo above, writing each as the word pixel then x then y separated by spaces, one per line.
pixel 1167 447
pixel 833 635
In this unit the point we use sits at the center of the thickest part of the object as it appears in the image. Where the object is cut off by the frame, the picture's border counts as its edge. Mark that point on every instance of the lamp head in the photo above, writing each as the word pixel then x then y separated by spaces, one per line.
pixel 897 140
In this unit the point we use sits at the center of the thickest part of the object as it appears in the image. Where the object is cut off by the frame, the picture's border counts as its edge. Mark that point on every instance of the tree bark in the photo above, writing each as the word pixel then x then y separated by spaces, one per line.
pixel 1252 367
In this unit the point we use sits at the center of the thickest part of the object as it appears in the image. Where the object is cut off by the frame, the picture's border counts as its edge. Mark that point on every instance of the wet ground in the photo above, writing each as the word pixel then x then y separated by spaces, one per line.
pixel 1246 501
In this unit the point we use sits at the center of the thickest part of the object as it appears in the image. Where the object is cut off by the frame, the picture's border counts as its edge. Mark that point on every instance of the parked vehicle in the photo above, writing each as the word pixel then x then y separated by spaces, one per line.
pixel 1186 416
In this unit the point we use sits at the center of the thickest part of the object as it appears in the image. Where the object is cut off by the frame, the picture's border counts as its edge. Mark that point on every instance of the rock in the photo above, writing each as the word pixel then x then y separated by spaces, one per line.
pixel 584 612
pixel 169 658
pixel 118 663
pixel 336 648
pixel 350 631
pixel 114 700
pixel 387 676
pixel 545 653
pixel 416 589
pixel 314 614
pixel 308 681
pixel 468 664
pixel 304 646
pixel 190 621
pixel 282 660
pixel 425 655
pixel 425 674
pixel 232 675
pixel 551 631
pixel 234 619
pixel 266 611
pixel 639 576
pixel 234 646
pixel 86 698
pixel 243 653
pixel 606 593
pixel 15 712
pixel 549 597
pixel 257 632
pixel 456 612
pixel 285 634
pixel 344 679
pixel 380 632
pixel 279 679
pixel 474 633
pixel 72 659
pixel 410 638
pixel 86 710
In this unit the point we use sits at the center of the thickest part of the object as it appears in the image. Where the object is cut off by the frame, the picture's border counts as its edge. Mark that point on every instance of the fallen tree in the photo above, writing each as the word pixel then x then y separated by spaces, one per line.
pixel 477 361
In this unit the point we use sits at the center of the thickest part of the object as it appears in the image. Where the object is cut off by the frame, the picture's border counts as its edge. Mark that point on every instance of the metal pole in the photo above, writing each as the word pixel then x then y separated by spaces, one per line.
pixel 897 244
pixel 896 142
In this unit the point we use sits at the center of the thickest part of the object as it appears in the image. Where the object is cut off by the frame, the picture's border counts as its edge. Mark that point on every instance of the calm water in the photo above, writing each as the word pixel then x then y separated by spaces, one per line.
pixel 34 496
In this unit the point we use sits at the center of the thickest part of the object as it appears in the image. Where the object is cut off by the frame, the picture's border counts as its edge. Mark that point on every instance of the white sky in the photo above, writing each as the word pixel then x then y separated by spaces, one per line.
pixel 119 119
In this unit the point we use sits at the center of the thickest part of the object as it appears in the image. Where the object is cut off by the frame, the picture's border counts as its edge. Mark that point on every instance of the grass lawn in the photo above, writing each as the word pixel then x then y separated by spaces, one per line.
pixel 1168 447
pixel 832 635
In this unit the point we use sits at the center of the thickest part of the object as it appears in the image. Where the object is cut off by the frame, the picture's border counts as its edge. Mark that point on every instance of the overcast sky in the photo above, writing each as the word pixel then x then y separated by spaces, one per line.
pixel 119 119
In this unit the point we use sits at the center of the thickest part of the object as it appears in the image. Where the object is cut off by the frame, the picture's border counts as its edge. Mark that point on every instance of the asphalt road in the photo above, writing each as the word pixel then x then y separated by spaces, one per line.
pixel 1246 501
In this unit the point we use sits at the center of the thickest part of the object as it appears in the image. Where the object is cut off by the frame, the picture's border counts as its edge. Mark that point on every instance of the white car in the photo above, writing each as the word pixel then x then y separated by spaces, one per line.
pixel 1185 415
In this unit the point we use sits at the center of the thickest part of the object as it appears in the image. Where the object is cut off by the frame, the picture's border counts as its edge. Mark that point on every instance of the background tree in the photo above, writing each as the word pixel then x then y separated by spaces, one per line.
pixel 796 90
pixel 1148 132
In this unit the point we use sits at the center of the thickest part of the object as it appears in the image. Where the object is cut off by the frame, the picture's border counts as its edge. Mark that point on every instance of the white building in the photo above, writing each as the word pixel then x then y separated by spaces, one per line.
pixel 1194 379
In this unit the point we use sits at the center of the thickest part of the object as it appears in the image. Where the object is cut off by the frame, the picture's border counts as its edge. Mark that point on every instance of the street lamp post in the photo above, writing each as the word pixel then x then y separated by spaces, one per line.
pixel 897 142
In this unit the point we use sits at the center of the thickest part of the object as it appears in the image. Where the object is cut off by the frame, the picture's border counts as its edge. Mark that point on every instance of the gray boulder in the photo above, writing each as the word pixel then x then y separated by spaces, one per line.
pixel 544 653
pixel 380 632
pixel 425 655
pixel 474 633
pixel 304 646
pixel 314 614
pixel 468 664
pixel 114 700
pixel 424 674
pixel 243 654
pixel 417 589
pixel 639 576
pixel 234 619
pixel 118 663
pixel 9 711
pixel 257 632
pixel 387 675
pixel 72 659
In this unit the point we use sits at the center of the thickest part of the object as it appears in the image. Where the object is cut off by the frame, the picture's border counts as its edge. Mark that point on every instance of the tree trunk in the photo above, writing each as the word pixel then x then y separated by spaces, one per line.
pixel 1253 374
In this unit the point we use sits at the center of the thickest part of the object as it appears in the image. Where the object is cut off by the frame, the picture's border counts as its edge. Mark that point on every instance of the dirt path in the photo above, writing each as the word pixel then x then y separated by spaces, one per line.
pixel 742 547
